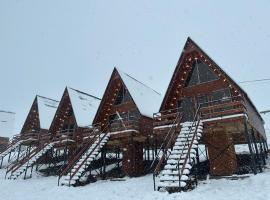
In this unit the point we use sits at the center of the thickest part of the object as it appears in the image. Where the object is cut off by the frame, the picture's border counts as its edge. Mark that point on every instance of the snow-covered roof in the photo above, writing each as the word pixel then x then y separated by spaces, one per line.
pixel 6 123
pixel 147 100
pixel 84 106
pixel 46 109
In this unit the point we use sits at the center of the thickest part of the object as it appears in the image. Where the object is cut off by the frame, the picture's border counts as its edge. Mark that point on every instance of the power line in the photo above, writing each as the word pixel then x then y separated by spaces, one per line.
pixel 257 80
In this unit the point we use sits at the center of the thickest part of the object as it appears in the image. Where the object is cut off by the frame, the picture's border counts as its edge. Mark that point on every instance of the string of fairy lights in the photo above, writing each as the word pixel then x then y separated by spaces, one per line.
pixel 187 67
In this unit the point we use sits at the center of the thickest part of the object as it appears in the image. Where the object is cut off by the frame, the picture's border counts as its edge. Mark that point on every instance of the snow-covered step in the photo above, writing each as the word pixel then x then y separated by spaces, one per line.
pixel 173 178
pixel 174 184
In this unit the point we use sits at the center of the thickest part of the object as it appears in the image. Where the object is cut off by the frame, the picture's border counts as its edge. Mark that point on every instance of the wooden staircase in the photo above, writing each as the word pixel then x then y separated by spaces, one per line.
pixel 176 173
pixel 11 147
pixel 77 167
pixel 14 171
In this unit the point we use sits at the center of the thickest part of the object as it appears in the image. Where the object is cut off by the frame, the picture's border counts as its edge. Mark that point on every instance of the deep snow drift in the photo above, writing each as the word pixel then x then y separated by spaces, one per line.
pixel 41 188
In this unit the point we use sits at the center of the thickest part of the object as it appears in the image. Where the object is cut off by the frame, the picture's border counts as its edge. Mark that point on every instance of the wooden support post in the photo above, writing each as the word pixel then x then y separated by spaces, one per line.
pixel 1 162
pixel 18 156
pixel 262 153
pixel 9 156
pixel 258 158
pixel 266 148
pixel 148 149
pixel 104 163
pixel 253 164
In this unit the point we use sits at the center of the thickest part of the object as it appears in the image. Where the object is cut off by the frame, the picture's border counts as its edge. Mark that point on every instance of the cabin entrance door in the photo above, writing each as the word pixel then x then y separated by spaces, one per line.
pixel 187 109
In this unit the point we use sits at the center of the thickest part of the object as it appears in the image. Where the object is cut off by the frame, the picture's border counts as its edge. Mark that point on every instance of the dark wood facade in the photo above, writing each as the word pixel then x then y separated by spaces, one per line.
pixel 129 128
pixel 32 131
pixel 64 128
pixel 229 115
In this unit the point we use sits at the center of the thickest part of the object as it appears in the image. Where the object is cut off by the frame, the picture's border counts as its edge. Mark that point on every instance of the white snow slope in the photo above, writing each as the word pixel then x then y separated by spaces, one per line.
pixel 43 188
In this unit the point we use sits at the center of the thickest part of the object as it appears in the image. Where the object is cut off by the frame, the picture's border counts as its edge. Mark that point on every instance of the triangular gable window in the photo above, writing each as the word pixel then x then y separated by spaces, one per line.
pixel 200 73
pixel 123 96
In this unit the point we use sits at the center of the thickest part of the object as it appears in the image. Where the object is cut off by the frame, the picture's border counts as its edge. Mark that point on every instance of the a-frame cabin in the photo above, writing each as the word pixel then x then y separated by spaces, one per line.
pixel 74 115
pixel 203 105
pixel 126 112
pixel 39 118
pixel 35 128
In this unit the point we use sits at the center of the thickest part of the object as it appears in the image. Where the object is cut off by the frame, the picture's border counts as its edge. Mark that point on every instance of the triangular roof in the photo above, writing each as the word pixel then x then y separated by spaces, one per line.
pixel 44 109
pixel 145 98
pixel 84 106
pixel 189 47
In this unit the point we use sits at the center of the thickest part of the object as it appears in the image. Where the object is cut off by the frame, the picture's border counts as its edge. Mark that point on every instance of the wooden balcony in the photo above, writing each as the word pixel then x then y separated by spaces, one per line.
pixel 124 125
pixel 229 107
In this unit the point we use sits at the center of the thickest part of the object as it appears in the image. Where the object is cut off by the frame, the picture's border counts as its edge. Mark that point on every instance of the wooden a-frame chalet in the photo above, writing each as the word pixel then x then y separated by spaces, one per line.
pixel 126 111
pixel 39 118
pixel 230 119
pixel 74 116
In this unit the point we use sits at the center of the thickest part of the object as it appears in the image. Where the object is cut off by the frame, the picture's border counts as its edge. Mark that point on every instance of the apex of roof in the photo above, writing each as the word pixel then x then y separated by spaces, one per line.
pixel 147 99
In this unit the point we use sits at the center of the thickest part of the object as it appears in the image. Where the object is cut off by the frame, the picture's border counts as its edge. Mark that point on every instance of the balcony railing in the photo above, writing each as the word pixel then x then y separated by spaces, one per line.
pixel 224 107
pixel 131 123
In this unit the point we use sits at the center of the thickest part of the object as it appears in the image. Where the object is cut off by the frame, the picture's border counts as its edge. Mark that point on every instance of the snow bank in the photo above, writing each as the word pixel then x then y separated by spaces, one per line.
pixel 43 188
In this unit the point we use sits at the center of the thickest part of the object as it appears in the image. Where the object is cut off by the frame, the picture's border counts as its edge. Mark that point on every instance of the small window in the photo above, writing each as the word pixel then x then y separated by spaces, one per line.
pixel 123 96
pixel 200 73
pixel 202 101
pixel 221 96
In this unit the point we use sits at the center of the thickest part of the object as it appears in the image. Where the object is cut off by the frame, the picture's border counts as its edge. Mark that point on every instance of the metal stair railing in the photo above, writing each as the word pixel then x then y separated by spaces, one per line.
pixel 30 155
pixel 189 144
pixel 97 145
pixel 78 155
pixel 170 135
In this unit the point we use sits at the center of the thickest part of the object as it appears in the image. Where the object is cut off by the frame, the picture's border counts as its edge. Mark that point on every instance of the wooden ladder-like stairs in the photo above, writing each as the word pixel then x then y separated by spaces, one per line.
pixel 176 173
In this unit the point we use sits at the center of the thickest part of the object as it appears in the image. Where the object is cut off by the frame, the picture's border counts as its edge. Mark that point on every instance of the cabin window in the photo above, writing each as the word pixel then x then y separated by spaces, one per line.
pixel 200 73
pixel 123 96
pixel 134 114
pixel 202 101
pixel 68 127
pixel 179 105
pixel 112 118
pixel 221 96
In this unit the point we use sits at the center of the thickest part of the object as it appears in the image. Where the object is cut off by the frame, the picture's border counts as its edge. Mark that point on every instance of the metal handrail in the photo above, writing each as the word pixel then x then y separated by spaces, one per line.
pixel 170 134
pixel 98 144
pixel 196 121
pixel 78 156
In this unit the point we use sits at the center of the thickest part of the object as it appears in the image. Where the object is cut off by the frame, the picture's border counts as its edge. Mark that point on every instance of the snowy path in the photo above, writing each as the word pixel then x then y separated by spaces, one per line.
pixel 43 188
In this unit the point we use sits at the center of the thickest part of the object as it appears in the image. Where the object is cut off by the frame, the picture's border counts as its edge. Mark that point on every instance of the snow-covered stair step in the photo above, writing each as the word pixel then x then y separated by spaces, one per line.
pixel 178 147
pixel 177 157
pixel 174 172
pixel 185 151
pixel 175 166
pixel 173 178
pixel 173 184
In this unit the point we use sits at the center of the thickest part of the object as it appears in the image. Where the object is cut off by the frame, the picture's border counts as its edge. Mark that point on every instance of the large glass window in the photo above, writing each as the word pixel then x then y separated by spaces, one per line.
pixel 221 95
pixel 200 73
pixel 123 96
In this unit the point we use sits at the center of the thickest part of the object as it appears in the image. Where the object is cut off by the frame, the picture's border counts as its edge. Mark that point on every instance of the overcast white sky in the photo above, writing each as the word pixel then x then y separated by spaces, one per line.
pixel 46 45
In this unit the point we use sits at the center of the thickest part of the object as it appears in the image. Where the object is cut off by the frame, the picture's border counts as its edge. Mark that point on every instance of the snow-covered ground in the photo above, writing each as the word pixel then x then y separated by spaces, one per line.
pixel 43 188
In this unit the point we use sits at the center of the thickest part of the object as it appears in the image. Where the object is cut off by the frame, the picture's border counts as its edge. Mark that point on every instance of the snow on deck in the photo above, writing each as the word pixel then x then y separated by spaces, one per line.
pixel 46 109
pixel 84 107
pixel 6 123
pixel 43 188
pixel 147 100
